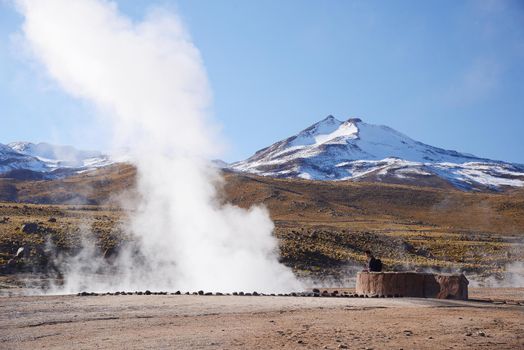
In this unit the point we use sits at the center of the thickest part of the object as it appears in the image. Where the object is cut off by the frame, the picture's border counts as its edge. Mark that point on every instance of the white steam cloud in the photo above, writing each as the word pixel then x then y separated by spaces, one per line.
pixel 148 80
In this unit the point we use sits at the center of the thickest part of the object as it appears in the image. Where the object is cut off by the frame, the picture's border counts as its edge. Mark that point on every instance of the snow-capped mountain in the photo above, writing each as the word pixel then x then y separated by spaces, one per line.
pixel 339 150
pixel 46 161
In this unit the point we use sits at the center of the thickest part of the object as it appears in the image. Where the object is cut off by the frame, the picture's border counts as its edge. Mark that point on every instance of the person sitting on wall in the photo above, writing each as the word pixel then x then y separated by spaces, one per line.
pixel 374 265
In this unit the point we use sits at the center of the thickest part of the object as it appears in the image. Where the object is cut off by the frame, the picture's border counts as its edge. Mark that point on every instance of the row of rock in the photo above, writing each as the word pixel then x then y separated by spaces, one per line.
pixel 324 294
pixel 314 293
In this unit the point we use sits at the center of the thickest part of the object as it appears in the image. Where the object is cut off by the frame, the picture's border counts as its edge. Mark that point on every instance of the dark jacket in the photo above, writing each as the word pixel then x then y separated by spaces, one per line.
pixel 375 265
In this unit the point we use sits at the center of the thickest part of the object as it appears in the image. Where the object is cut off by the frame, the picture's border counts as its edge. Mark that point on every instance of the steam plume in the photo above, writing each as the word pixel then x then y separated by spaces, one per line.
pixel 148 80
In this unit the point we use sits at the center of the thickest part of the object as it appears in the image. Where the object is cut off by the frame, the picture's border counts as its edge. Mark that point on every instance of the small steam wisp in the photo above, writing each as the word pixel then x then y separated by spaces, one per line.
pixel 147 79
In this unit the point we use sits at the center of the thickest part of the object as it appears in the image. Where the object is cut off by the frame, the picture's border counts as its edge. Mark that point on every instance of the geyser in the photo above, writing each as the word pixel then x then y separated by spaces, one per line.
pixel 147 80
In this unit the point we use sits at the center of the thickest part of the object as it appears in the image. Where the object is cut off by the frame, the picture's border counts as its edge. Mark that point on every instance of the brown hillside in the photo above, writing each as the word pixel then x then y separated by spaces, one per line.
pixel 321 225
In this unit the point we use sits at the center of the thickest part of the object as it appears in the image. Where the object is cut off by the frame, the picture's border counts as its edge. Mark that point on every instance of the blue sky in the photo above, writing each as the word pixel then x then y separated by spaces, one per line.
pixel 448 73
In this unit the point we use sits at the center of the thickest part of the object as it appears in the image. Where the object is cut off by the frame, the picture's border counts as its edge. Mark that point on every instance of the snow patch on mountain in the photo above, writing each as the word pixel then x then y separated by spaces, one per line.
pixel 51 160
pixel 340 150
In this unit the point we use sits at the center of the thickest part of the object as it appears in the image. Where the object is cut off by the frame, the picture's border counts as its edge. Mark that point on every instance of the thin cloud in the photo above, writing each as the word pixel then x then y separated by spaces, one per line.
pixel 476 82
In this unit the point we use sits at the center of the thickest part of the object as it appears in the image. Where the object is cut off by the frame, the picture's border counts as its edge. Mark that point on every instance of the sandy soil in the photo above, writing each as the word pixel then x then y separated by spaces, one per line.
pixel 228 322
pixel 514 294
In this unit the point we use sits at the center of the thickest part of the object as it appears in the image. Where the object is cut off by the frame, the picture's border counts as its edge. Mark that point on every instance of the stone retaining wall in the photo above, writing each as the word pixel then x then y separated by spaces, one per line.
pixel 412 284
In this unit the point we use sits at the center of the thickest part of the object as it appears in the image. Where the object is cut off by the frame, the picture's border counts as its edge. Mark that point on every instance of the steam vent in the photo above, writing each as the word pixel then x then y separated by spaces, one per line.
pixel 412 284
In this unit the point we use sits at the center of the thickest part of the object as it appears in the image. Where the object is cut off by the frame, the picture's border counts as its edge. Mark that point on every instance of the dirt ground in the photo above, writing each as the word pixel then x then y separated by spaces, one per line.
pixel 259 322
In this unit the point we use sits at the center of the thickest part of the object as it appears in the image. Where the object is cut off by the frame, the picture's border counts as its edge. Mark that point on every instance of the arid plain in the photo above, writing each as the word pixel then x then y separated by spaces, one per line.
pixel 257 322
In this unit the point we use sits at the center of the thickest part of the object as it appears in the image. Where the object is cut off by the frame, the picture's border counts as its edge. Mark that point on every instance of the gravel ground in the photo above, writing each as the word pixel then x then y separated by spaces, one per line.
pixel 261 322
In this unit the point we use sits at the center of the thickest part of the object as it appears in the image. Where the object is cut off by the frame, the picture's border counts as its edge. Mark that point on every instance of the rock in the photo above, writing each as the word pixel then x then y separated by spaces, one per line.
pixel 51 219
pixel 4 220
pixel 255 293
pixel 30 227
pixel 147 292
pixel 200 292
pixel 177 292
pixel 316 290
pixel 21 252
pixel 452 287
pixel 110 253
pixel 208 293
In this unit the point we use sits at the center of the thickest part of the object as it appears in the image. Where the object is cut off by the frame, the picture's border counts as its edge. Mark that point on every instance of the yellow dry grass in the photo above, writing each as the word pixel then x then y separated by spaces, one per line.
pixel 321 226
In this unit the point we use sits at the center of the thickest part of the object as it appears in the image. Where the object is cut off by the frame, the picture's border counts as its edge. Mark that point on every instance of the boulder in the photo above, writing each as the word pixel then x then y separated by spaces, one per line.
pixel 452 287
pixel 110 254
pixel 30 227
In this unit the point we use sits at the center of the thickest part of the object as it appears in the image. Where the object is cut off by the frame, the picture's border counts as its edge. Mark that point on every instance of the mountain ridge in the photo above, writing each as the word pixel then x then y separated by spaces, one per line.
pixel 354 150
pixel 42 160
pixel 329 150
